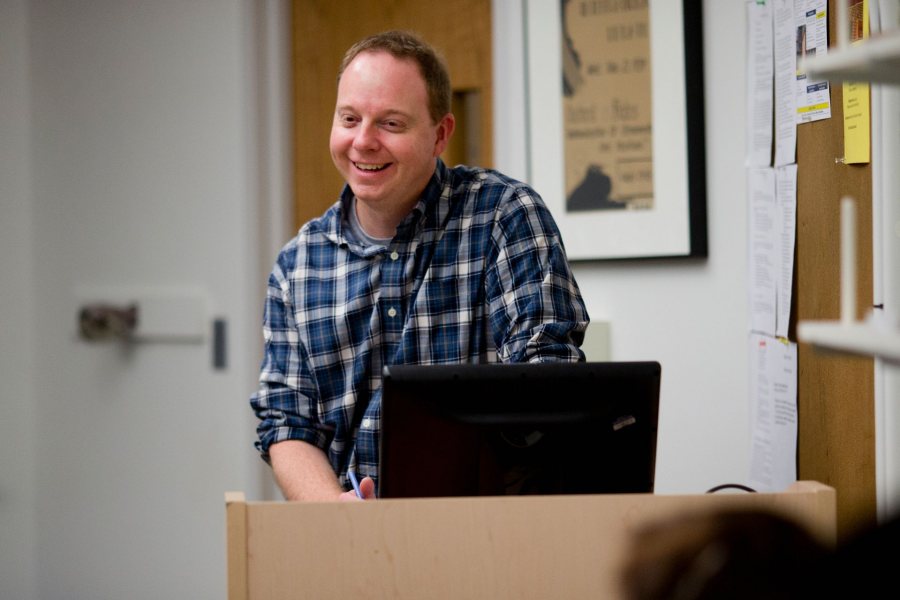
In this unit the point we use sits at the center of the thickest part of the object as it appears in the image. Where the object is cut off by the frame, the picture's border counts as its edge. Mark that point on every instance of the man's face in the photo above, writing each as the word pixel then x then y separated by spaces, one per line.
pixel 383 140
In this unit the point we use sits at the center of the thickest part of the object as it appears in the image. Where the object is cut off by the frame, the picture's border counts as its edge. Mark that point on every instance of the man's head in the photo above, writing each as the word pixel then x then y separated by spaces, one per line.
pixel 408 45
pixel 385 136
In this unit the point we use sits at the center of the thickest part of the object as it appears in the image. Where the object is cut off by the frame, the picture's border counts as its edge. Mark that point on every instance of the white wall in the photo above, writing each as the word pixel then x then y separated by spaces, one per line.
pixel 689 315
pixel 136 149
pixel 130 137
pixel 17 406
pixel 886 279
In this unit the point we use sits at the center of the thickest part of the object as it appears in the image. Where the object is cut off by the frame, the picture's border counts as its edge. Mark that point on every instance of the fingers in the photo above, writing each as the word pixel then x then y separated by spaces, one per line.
pixel 367 488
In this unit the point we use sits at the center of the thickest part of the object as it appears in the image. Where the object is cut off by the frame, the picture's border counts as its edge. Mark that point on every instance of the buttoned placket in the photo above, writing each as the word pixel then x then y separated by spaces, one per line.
pixel 391 304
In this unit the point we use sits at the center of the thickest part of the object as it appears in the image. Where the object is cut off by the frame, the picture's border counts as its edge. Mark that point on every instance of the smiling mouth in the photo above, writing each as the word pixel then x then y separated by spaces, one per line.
pixel 371 167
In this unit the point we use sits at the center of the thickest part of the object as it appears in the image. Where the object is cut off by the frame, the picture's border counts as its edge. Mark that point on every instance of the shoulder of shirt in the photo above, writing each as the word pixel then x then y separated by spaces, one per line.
pixel 324 225
pixel 315 231
pixel 466 176
pixel 490 187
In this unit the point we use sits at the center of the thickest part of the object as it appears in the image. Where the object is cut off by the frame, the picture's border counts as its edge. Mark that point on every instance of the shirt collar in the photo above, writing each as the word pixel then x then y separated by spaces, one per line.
pixel 429 200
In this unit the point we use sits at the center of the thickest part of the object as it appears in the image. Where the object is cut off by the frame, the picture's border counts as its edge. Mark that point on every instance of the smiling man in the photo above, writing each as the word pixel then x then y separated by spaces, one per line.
pixel 416 263
pixel 385 140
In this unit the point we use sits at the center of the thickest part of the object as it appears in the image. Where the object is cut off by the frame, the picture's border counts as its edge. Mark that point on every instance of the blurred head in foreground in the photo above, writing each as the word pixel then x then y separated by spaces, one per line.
pixel 734 554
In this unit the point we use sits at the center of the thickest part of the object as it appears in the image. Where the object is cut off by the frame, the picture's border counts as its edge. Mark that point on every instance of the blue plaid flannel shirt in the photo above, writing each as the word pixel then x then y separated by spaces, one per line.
pixel 477 272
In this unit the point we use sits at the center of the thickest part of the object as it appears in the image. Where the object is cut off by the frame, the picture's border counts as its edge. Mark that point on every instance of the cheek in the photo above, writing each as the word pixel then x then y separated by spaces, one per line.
pixel 428 146
pixel 419 150
pixel 338 141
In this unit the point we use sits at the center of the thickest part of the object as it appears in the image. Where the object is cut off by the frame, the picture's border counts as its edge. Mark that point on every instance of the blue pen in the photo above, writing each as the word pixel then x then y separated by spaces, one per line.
pixel 355 483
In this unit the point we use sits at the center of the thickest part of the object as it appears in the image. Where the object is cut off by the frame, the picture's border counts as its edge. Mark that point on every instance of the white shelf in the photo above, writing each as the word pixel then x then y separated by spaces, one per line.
pixel 863 338
pixel 876 60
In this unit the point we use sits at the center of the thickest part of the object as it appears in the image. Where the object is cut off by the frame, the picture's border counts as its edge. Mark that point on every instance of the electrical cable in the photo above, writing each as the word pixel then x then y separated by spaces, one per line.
pixel 725 486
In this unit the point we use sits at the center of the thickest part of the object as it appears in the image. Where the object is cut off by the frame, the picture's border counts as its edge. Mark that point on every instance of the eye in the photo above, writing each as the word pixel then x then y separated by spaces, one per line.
pixel 347 120
pixel 393 125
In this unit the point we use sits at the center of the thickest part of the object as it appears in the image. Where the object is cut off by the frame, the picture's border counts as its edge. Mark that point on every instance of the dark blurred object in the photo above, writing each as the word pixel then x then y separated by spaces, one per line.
pixel 864 565
pixel 100 322
pixel 732 554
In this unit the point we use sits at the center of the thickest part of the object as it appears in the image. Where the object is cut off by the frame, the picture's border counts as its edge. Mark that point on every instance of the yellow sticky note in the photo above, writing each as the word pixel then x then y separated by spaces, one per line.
pixel 856 122
pixel 856 95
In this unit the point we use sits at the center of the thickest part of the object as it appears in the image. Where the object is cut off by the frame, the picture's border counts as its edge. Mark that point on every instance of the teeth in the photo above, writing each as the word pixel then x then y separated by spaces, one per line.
pixel 369 167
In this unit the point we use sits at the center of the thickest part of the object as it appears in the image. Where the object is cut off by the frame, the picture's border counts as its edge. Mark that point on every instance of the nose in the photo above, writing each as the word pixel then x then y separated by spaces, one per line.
pixel 366 138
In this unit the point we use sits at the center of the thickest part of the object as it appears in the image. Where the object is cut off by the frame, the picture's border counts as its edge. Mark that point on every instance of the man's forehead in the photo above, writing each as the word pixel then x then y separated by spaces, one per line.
pixel 366 83
pixel 358 62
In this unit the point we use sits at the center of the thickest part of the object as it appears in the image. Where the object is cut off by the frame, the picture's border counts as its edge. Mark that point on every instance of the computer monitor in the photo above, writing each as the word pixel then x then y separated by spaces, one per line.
pixel 518 429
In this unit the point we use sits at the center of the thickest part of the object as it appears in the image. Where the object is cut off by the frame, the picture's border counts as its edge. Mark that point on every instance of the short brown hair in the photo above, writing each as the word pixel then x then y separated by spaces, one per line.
pixel 408 45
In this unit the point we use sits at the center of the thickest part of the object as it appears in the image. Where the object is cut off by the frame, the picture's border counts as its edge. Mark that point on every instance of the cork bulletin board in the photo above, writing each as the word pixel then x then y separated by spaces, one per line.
pixel 836 410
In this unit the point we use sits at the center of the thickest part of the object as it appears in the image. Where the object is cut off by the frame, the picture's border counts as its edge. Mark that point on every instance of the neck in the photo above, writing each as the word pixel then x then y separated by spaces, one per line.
pixel 380 224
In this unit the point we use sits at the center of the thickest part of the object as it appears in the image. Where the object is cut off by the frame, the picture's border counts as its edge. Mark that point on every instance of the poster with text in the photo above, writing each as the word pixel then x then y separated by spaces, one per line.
pixel 607 105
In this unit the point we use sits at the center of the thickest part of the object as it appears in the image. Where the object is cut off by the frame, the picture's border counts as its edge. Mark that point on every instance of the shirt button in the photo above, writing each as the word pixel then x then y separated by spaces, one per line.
pixel 366 423
pixel 395 255
pixel 392 312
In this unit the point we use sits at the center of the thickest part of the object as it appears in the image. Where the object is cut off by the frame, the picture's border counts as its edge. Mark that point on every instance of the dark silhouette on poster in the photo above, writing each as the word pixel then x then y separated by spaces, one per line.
pixel 593 192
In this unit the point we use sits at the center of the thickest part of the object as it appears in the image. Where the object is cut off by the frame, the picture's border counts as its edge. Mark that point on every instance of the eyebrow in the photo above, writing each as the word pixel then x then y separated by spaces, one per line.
pixel 393 112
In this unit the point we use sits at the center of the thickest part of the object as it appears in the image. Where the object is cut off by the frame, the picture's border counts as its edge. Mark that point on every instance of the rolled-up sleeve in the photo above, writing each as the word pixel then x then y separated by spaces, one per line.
pixel 536 310
pixel 286 401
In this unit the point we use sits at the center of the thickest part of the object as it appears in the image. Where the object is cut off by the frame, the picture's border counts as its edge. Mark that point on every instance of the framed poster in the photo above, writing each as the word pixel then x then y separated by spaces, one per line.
pixel 615 125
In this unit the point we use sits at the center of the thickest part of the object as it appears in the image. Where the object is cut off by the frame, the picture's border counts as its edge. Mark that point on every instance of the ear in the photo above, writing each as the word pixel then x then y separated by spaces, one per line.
pixel 443 130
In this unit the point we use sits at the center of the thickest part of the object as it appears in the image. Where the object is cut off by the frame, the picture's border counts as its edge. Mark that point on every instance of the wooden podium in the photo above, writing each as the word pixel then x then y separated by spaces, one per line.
pixel 498 547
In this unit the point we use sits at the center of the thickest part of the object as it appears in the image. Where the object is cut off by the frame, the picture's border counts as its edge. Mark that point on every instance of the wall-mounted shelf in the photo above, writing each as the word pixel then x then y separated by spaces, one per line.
pixel 874 336
pixel 862 338
pixel 876 60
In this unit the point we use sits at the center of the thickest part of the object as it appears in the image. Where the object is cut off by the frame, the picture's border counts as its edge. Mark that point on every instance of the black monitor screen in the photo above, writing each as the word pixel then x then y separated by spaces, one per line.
pixel 517 429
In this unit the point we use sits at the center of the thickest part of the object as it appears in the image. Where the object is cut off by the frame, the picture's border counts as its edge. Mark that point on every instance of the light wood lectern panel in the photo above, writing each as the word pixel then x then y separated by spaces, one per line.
pixel 503 547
